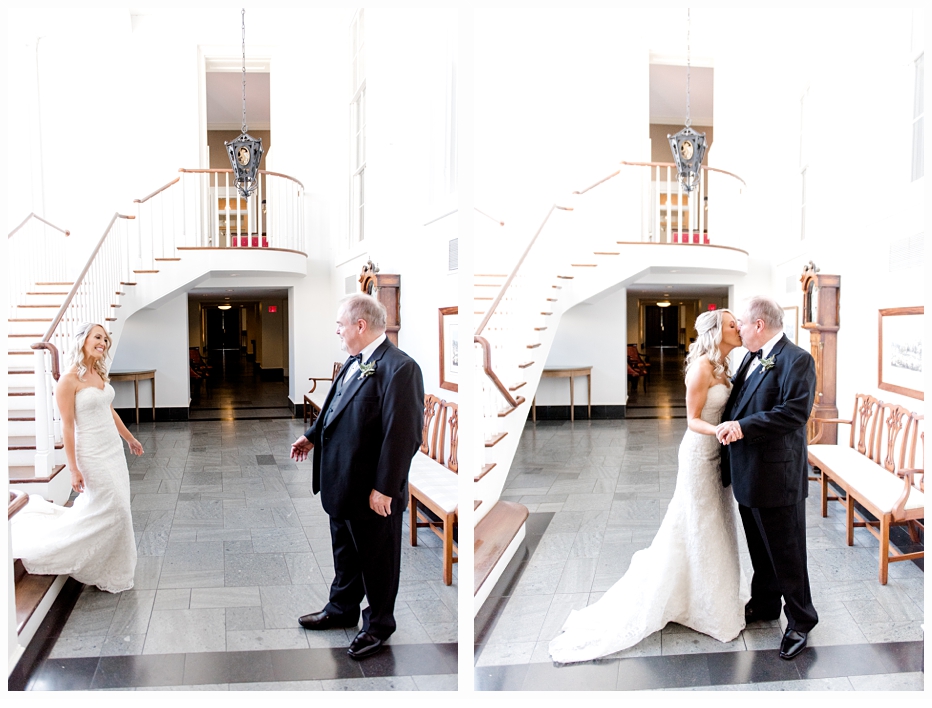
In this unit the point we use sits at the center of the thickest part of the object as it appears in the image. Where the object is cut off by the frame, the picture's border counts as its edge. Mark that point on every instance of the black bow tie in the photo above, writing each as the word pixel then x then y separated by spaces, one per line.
pixel 759 354
pixel 358 358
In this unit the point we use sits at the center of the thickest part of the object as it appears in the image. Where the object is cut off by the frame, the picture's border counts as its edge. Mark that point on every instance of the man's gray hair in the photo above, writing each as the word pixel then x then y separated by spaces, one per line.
pixel 361 306
pixel 766 309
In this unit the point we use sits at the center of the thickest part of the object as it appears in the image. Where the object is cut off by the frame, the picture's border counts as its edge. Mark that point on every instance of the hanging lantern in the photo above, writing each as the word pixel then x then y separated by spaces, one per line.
pixel 688 146
pixel 245 151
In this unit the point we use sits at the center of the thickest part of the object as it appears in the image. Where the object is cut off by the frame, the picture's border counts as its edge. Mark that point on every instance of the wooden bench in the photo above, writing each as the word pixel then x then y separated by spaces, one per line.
pixel 433 484
pixel 314 399
pixel 493 535
pixel 878 468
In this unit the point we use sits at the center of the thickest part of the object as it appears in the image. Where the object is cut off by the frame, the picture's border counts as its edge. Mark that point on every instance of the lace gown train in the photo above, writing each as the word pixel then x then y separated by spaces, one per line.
pixel 93 540
pixel 691 573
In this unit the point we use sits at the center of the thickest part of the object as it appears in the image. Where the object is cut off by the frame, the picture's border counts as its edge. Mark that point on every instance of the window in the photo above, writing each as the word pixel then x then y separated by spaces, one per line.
pixel 803 160
pixel 918 161
pixel 358 129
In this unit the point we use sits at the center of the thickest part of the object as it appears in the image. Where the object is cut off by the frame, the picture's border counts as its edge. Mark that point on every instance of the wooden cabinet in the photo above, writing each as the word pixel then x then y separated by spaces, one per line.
pixel 821 318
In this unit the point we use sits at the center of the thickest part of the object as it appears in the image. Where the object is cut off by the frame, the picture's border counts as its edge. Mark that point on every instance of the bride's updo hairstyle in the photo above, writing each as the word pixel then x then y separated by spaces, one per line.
pixel 76 353
pixel 709 330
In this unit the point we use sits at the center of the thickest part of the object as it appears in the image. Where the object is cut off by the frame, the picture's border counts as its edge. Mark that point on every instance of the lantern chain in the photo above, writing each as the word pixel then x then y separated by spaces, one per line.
pixel 244 69
pixel 688 57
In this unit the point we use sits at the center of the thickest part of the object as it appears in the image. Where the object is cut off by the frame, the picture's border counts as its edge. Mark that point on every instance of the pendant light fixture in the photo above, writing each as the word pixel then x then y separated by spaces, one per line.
pixel 245 151
pixel 688 146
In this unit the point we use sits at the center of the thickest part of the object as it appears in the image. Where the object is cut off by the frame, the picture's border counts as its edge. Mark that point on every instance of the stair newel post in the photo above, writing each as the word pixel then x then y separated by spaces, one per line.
pixel 45 442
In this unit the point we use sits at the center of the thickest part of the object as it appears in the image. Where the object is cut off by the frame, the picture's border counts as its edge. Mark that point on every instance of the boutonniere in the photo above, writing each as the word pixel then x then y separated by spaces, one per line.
pixel 366 370
pixel 768 362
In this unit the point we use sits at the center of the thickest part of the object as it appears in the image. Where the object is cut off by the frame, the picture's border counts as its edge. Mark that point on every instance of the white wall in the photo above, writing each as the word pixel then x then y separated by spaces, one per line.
pixel 272 350
pixel 155 339
pixel 593 333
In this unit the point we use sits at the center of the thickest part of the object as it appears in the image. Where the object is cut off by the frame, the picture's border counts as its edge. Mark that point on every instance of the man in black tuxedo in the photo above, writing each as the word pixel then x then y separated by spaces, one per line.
pixel 363 441
pixel 765 461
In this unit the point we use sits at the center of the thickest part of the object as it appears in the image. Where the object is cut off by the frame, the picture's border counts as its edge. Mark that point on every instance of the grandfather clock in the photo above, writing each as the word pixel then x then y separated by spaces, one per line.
pixel 387 289
pixel 820 317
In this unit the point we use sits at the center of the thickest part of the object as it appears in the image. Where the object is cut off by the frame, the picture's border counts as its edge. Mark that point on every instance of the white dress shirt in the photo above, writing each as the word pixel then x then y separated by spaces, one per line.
pixel 367 352
pixel 770 344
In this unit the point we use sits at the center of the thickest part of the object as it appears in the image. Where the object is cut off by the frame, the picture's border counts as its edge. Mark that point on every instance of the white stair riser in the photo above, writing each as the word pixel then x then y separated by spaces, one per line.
pixel 28 328
pixel 53 299
pixel 20 361
pixel 20 403
pixel 21 427
pixel 19 458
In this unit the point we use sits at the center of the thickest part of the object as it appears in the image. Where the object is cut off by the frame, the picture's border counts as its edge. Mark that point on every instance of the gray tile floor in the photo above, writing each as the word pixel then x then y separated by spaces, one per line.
pixel 233 548
pixel 608 484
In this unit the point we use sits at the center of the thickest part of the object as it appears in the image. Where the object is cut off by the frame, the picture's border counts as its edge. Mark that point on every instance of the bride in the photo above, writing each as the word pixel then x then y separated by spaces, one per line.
pixel 93 540
pixel 691 573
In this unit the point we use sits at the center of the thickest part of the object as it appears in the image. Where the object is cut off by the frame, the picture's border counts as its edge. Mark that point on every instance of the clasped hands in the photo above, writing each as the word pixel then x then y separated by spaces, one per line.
pixel 378 502
pixel 728 432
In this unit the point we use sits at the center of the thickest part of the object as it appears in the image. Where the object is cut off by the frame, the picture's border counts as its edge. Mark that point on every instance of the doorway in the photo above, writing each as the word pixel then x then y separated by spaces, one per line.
pixel 661 326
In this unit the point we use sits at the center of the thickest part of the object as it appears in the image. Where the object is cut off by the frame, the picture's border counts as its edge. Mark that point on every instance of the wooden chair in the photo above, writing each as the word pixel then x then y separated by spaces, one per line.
pixel 314 399
pixel 433 488
pixel 638 362
pixel 637 367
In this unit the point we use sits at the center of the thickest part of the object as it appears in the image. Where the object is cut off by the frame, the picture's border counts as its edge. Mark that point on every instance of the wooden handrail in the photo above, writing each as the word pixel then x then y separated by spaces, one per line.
pixel 77 283
pixel 33 215
pixel 56 366
pixel 17 501
pixel 604 179
pixel 670 164
pixel 487 368
pixel 500 223
pixel 157 191
pixel 514 271
pixel 261 172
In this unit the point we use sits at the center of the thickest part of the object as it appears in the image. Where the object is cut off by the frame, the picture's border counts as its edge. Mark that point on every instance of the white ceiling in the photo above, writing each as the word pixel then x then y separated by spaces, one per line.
pixel 225 100
pixel 668 94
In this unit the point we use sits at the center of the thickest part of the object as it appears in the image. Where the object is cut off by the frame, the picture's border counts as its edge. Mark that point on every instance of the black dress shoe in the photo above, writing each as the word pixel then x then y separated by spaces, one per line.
pixel 793 643
pixel 364 645
pixel 752 614
pixel 325 620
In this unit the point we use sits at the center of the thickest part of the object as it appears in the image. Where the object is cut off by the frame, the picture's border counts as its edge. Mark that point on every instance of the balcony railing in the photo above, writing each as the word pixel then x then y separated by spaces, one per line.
pixel 202 209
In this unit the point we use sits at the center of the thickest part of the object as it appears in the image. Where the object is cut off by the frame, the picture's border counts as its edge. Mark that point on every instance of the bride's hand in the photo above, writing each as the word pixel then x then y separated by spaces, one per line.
pixel 77 481
pixel 135 447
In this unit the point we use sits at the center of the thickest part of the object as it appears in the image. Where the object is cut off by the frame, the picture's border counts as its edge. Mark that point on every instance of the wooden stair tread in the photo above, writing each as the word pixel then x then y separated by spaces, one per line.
pixel 512 388
pixel 493 535
pixel 41 293
pixel 495 439
pixel 485 470
pixel 533 346
pixel 607 253
pixel 566 277
pixel 145 271
pixel 519 400
pixel 25 442
pixel 23 474
pixel 30 590
pixel 21 391
pixel 525 364
pixel 584 265
pixel 54 283
pixel 38 306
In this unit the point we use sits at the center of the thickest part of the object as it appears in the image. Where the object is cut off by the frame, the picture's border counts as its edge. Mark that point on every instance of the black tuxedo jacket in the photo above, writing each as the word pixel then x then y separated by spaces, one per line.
pixel 769 466
pixel 371 437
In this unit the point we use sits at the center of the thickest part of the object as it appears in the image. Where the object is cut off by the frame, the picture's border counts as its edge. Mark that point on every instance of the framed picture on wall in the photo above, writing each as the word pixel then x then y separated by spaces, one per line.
pixel 449 348
pixel 899 357
pixel 791 323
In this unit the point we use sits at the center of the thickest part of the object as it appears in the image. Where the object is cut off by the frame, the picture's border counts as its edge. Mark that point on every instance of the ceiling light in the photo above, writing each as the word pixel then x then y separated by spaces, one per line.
pixel 663 303
pixel 227 307
pixel 226 298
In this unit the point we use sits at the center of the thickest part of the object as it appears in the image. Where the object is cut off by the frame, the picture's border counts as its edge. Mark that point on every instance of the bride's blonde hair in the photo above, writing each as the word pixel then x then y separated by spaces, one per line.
pixel 76 352
pixel 709 331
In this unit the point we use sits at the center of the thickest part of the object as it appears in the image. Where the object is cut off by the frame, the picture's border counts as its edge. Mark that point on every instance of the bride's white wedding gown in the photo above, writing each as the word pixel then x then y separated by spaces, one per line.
pixel 93 540
pixel 691 573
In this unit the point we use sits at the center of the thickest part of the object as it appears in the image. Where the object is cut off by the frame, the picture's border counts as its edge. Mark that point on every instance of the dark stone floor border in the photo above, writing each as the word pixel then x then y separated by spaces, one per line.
pixel 261 666
pixel 698 670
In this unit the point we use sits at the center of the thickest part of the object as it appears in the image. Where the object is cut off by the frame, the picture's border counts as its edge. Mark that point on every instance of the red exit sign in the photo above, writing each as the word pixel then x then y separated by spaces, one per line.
pixel 273 308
